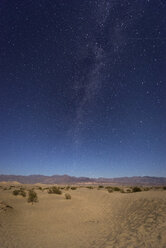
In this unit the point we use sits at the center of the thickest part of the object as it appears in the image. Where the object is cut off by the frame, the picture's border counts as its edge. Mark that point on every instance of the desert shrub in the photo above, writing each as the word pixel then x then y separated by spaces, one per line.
pixel 157 188
pixel 23 193
pixel 146 189
pixel 22 188
pixel 40 188
pixel 100 187
pixel 164 187
pixel 50 191
pixel 128 191
pixel 32 196
pixel 89 187
pixel 67 196
pixel 67 187
pixel 45 188
pixel 16 192
pixel 19 192
pixel 110 190
pixel 116 189
pixel 73 188
pixel 122 191
pixel 4 206
pixel 54 190
pixel 108 187
pixel 136 189
pixel 62 188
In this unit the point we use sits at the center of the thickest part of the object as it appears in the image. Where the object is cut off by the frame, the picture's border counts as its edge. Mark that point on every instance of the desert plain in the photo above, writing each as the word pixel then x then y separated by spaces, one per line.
pixel 92 218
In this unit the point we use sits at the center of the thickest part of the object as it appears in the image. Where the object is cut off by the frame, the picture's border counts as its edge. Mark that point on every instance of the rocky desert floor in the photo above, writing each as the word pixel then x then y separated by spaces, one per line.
pixel 92 218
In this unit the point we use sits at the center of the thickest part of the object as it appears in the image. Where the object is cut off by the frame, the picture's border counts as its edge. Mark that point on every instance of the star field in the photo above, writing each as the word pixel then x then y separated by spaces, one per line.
pixel 83 87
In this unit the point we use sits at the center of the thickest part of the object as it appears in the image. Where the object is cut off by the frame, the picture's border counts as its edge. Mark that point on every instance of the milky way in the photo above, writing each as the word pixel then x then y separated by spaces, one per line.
pixel 83 87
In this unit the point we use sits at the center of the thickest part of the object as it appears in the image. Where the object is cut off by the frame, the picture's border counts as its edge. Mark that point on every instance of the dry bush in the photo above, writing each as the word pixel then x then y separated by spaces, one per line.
pixel 128 191
pixel 67 196
pixel 32 196
pixel 11 187
pixel 47 188
pixel 136 189
pixel 110 190
pixel 19 192
pixel 54 190
pixel 4 207
pixel 116 189
pixel 16 192
pixel 40 188
pixel 23 193
pixel 89 187
pixel 146 189
pixel 108 187
pixel 62 188
pixel 100 187
pixel 73 188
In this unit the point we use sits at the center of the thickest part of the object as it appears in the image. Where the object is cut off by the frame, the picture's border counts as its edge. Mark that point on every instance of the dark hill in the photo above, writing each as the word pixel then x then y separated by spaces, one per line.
pixel 65 179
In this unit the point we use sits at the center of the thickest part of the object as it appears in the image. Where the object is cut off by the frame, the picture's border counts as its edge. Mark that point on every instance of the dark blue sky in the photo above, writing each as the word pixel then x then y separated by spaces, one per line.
pixel 82 87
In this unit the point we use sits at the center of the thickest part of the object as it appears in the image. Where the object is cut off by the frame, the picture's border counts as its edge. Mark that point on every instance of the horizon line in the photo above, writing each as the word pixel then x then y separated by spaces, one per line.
pixel 78 176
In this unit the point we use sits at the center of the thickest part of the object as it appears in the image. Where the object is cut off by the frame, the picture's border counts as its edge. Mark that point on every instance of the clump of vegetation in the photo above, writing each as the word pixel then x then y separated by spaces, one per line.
pixel 128 191
pixel 32 196
pixel 67 187
pixel 73 188
pixel 22 188
pixel 89 187
pixel 40 188
pixel 4 206
pixel 100 187
pixel 54 190
pixel 11 186
pixel 164 187
pixel 19 192
pixel 62 188
pixel 16 192
pixel 108 187
pixel 45 188
pixel 110 190
pixel 136 189
pixel 22 192
pixel 122 191
pixel 67 196
pixel 146 189
pixel 157 188
pixel 116 189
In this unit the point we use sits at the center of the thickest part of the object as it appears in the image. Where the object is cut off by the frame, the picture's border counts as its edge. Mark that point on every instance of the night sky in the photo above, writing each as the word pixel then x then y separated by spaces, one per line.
pixel 82 87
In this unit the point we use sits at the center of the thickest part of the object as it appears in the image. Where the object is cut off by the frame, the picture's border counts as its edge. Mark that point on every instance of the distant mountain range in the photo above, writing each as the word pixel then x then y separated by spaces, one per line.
pixel 65 179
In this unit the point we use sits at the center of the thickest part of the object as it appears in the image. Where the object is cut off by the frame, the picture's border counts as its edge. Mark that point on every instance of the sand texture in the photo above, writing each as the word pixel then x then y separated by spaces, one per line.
pixel 91 219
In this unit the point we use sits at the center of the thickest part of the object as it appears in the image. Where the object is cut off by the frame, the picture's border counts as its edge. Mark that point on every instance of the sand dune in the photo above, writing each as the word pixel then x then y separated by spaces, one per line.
pixel 92 218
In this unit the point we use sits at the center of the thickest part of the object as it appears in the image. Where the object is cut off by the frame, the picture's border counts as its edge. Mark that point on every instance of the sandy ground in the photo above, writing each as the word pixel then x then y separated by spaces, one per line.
pixel 91 219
